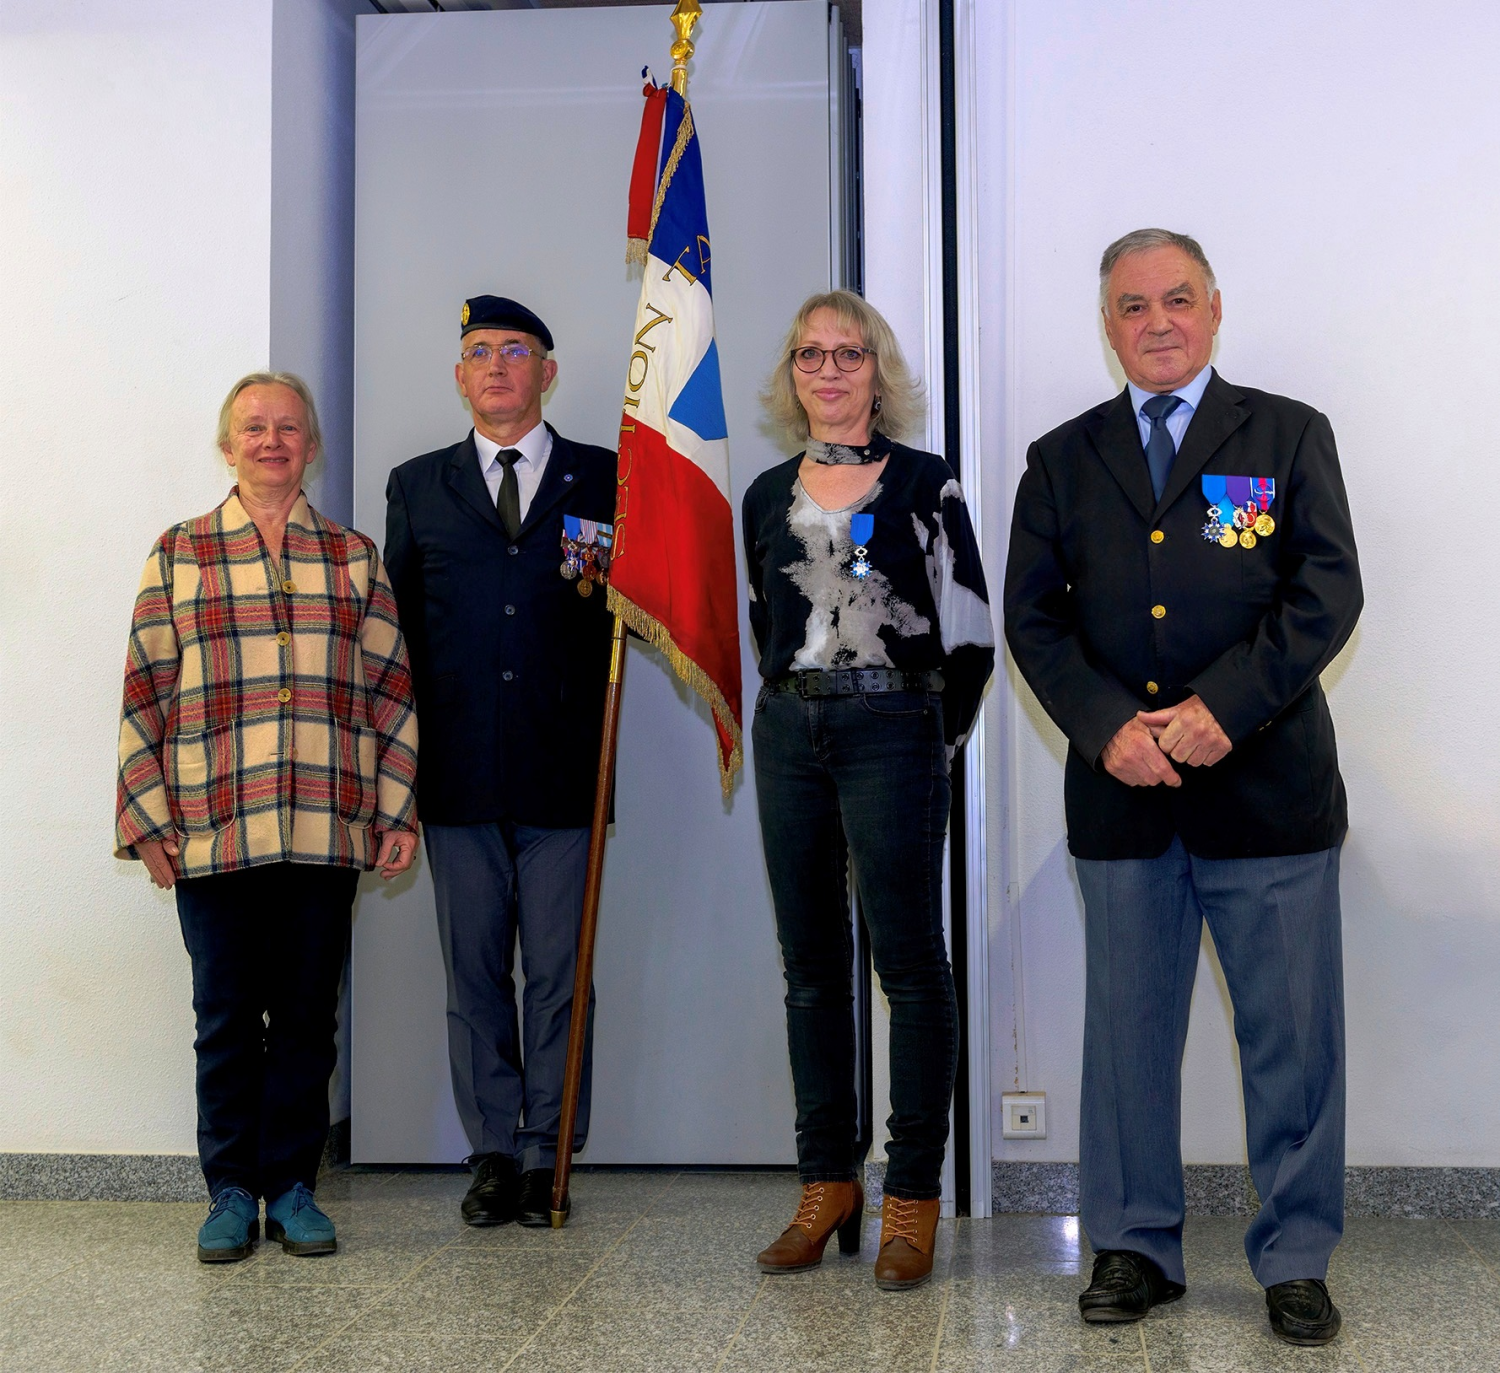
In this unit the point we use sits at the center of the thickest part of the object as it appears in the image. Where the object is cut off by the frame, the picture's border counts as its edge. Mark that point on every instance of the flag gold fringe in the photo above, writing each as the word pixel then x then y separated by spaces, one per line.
pixel 635 252
pixel 658 636
pixel 684 132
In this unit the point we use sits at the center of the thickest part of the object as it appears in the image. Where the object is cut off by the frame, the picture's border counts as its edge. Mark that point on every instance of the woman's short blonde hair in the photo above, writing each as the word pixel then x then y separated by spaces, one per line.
pixel 288 379
pixel 902 404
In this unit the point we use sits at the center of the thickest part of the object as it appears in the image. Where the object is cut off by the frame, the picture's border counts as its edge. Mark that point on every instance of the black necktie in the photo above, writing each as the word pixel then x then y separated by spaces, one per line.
pixel 508 502
pixel 1160 450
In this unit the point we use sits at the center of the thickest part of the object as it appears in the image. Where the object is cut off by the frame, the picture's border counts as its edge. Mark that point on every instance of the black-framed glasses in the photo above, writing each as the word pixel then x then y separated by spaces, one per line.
pixel 846 359
pixel 481 353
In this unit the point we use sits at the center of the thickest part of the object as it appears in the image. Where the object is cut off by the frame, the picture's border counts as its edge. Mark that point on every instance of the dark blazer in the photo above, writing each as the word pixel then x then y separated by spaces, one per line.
pixel 1104 619
pixel 509 662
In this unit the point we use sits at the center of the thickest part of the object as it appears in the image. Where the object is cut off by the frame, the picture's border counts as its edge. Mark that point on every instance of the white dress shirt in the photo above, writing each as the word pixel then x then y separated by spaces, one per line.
pixel 535 447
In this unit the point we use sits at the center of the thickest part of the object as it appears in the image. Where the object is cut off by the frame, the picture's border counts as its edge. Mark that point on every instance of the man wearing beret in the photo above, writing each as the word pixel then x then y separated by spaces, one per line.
pixel 1182 567
pixel 509 642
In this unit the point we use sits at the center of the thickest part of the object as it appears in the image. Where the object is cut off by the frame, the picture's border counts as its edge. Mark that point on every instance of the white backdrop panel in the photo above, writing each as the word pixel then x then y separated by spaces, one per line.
pixel 493 153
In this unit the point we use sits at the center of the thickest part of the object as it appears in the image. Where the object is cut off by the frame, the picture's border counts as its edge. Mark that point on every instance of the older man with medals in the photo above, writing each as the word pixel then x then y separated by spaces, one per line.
pixel 1182 567
pixel 495 547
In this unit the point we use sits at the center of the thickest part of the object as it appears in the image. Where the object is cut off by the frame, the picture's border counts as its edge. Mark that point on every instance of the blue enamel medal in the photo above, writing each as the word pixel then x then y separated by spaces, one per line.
pixel 861 531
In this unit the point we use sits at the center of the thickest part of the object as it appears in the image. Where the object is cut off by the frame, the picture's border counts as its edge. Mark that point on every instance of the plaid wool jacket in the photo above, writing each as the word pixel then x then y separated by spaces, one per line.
pixel 268 710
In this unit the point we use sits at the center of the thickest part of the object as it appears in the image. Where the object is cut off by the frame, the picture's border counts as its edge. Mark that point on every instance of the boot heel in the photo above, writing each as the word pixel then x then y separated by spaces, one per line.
pixel 849 1232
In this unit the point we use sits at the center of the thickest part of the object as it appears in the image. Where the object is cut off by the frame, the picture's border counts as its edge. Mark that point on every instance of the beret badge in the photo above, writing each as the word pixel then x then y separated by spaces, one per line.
pixel 464 318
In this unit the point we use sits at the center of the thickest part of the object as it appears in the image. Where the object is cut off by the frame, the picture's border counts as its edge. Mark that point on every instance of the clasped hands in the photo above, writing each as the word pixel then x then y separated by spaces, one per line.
pixel 1186 733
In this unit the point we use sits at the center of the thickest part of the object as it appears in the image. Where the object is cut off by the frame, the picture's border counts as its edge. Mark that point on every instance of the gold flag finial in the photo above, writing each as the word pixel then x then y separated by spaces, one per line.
pixel 684 17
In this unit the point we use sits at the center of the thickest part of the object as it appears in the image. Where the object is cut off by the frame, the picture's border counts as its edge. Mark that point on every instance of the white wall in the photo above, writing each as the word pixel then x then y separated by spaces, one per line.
pixel 1337 165
pixel 138 238
pixel 135 206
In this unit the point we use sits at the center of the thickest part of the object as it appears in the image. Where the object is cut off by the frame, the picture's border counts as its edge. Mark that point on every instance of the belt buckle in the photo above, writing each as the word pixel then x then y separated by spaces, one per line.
pixel 802 680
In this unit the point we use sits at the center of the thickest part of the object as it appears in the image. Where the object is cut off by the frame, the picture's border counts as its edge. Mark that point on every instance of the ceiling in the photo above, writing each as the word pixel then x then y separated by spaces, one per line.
pixel 849 8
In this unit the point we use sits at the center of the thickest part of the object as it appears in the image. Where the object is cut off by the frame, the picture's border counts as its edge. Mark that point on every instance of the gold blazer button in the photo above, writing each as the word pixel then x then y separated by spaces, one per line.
pixel 1157 536
pixel 1159 612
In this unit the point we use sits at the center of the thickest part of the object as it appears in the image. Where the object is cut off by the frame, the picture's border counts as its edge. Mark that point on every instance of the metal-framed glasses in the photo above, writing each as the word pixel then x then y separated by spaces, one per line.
pixel 846 359
pixel 479 354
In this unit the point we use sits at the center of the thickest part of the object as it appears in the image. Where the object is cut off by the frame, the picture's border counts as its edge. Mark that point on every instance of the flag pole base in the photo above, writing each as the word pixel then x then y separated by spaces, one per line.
pixel 559 1219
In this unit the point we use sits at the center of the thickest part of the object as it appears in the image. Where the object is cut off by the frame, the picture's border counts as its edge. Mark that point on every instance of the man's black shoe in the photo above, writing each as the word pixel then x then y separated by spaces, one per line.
pixel 535 1206
pixel 1302 1312
pixel 491 1198
pixel 1124 1287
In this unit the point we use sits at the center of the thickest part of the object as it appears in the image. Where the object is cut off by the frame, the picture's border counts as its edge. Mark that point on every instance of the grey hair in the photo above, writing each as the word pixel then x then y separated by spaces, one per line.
pixel 901 401
pixel 288 379
pixel 1139 241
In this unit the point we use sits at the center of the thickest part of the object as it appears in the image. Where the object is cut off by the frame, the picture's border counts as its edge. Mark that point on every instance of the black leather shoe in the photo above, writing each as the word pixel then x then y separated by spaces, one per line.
pixel 491 1198
pixel 1302 1312
pixel 535 1206
pixel 1124 1287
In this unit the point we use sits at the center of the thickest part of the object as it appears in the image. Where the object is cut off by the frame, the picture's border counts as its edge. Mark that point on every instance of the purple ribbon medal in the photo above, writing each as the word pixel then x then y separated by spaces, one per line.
pixel 1239 509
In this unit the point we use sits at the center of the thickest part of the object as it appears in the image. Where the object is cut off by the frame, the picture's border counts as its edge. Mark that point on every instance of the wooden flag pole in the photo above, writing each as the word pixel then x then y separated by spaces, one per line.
pixel 684 17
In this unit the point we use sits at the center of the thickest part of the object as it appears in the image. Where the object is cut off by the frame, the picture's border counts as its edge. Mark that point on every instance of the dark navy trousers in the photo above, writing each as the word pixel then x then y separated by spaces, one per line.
pixel 268 946
pixel 863 777
pixel 1275 924
pixel 492 881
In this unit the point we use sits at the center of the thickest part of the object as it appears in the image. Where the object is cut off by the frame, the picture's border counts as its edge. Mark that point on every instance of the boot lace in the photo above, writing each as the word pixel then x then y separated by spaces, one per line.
pixel 900 1220
pixel 808 1207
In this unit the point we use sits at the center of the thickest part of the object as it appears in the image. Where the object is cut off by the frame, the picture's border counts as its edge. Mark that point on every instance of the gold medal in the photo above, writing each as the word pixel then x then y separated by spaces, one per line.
pixel 1247 539
pixel 1265 525
pixel 1228 539
pixel 585 587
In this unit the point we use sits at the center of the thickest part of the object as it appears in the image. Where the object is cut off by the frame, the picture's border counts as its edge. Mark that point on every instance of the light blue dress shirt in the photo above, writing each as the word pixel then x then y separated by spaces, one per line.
pixel 1178 420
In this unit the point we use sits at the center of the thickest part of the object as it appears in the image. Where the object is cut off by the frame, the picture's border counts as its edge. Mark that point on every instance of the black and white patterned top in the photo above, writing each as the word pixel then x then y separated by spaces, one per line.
pixel 922 606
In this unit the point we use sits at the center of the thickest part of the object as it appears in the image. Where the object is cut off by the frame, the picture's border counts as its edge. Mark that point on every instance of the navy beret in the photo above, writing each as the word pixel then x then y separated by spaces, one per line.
pixel 499 312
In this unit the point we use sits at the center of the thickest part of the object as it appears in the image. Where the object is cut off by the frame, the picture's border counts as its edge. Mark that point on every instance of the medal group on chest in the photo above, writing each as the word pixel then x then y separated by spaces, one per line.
pixel 1239 510
pixel 586 545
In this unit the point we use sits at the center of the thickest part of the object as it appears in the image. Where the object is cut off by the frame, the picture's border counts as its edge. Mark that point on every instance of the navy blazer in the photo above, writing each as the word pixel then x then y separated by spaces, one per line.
pixel 509 662
pixel 1116 602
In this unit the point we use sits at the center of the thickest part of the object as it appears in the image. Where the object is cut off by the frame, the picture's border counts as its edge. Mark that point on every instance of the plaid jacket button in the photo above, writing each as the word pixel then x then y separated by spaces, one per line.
pixel 284 695
pixel 283 638
pixel 289 587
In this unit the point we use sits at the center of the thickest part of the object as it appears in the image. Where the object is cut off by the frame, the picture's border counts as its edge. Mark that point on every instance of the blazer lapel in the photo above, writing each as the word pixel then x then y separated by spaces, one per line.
pixel 1217 417
pixel 466 480
pixel 1117 437
pixel 558 479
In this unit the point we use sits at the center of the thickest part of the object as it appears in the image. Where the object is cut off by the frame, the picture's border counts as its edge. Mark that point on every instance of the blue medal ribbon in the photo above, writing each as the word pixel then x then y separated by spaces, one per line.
pixel 861 529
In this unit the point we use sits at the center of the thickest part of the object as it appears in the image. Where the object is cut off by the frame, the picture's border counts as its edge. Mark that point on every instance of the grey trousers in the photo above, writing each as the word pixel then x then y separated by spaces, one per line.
pixel 493 880
pixel 1276 926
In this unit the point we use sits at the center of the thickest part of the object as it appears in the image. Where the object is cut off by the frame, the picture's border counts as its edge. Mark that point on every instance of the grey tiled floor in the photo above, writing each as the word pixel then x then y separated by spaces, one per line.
pixel 655 1272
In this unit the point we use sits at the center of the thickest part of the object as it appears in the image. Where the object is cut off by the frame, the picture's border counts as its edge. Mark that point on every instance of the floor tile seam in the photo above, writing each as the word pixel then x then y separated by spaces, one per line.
pixel 43 1281
pixel 1484 1261
pixel 942 1325
pixel 739 1329
pixel 583 1281
pixel 379 1297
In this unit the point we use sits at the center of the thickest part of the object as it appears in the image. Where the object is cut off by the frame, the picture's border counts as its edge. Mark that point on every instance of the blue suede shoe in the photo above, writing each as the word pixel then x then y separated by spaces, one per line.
pixel 232 1227
pixel 294 1219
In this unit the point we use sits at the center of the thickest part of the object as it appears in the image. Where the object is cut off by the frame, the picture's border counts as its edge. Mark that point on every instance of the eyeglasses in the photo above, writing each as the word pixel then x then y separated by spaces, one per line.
pixel 481 353
pixel 846 359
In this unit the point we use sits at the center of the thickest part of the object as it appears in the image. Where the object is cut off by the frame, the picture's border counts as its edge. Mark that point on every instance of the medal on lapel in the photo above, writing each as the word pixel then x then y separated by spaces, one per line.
pixel 586 545
pixel 861 531
pixel 1239 510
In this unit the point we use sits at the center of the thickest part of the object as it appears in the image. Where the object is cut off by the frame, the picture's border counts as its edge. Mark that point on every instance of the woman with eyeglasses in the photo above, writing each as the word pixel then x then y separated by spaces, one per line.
pixel 869 609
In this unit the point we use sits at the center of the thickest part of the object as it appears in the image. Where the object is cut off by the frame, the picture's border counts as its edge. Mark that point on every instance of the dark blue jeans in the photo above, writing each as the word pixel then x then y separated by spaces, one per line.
pixel 867 777
pixel 268 946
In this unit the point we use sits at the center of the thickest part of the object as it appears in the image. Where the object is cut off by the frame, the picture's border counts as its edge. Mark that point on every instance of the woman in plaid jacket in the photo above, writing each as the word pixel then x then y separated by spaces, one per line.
pixel 268 751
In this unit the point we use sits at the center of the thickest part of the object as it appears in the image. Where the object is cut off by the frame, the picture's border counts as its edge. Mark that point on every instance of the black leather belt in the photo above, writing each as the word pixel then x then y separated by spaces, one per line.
pixel 855 682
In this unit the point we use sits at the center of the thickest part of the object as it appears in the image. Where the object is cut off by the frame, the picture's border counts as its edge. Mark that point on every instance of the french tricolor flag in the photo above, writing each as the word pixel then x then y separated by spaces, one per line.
pixel 672 574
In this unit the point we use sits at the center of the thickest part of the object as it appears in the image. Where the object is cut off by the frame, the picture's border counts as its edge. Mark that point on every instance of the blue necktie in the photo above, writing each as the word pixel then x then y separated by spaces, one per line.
pixel 1160 450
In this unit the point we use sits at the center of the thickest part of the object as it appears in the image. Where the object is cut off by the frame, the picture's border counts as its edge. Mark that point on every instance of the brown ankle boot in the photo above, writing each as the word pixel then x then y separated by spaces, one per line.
pixel 907 1232
pixel 825 1207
